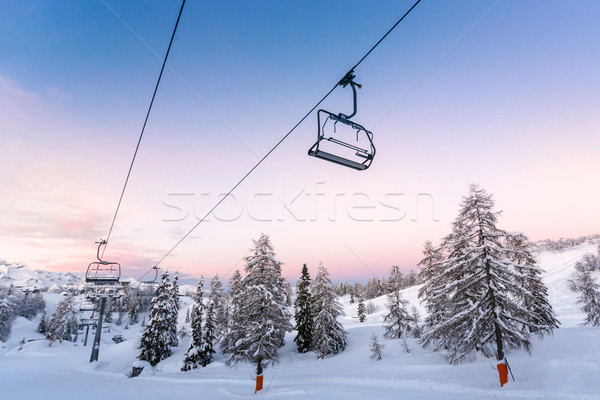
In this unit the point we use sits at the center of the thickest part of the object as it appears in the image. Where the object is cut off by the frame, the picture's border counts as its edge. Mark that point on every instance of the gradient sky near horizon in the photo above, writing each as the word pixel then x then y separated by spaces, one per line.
pixel 510 101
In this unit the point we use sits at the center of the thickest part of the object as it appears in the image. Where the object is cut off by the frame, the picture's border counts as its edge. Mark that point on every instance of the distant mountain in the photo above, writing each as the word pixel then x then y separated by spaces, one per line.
pixel 20 275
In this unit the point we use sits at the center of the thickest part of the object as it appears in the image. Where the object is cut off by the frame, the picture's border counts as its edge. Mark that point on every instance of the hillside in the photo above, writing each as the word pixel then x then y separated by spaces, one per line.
pixel 20 275
pixel 564 366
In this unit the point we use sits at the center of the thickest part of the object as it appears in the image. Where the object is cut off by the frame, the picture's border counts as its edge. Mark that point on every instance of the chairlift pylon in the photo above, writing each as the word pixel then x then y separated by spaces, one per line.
pixel 336 149
pixel 103 272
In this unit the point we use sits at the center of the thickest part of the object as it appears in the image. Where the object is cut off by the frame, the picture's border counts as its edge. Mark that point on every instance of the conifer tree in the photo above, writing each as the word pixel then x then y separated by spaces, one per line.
pixel 398 320
pixel 329 336
pixel 6 319
pixel 376 348
pixel 134 311
pixel 235 326
pixel 60 323
pixel 174 294
pixel 433 295
pixel 415 318
pixel 533 293
pixel 303 314
pixel 266 316
pixel 481 282
pixel 207 352
pixel 362 315
pixel 42 326
pixel 583 283
pixel 218 299
pixel 159 331
pixel 193 357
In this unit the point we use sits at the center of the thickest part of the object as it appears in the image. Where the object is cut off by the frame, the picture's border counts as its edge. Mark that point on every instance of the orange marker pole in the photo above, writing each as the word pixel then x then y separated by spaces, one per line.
pixel 259 383
pixel 503 371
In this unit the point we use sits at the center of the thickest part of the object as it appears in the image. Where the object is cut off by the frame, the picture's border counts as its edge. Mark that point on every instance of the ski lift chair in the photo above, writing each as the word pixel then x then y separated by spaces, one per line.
pixel 103 272
pixel 335 147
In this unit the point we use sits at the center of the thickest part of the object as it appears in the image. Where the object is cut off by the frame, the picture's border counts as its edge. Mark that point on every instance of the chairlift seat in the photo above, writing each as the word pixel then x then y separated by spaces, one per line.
pixel 103 272
pixel 362 157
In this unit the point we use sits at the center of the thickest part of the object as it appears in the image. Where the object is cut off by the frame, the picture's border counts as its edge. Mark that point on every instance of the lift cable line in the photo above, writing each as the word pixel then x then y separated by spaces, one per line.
pixel 143 129
pixel 341 82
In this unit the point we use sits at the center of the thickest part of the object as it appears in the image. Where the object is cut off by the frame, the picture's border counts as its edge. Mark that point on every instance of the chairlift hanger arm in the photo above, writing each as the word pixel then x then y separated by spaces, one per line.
pixel 101 243
pixel 348 79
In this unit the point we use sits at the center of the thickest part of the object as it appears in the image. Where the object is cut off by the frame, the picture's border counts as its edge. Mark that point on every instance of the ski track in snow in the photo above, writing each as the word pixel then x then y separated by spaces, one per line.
pixel 563 366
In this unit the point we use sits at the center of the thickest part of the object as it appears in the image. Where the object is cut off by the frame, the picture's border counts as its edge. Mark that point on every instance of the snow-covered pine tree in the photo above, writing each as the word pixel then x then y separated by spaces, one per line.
pixel 134 311
pixel 415 317
pixel 534 293
pixel 264 309
pixel 109 309
pixel 158 333
pixel 303 313
pixel 289 294
pixel 433 295
pixel 430 266
pixel 583 283
pixel 193 356
pixel 397 321
pixel 329 336
pixel 43 325
pixel 6 320
pixel 174 310
pixel 362 313
pixel 481 283
pixel 207 351
pixel 60 323
pixel 235 324
pixel 376 348
pixel 219 300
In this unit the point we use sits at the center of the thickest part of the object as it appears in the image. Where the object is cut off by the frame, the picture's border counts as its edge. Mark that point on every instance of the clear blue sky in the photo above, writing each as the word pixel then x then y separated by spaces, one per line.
pixel 513 106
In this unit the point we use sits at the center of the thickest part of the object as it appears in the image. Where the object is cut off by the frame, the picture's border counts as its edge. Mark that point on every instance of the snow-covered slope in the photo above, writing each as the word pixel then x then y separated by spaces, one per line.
pixel 20 275
pixel 563 366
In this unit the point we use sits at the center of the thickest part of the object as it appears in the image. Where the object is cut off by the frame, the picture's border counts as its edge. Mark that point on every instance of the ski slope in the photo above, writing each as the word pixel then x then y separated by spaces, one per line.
pixel 565 366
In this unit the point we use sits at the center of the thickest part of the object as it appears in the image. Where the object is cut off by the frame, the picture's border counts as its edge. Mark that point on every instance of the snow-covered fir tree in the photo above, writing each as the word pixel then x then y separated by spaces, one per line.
pixel 433 296
pixel 219 300
pixel 583 283
pixel 533 293
pixel 481 280
pixel 264 309
pixel 174 310
pixel 43 325
pixel 209 339
pixel 159 330
pixel 376 348
pixel 398 320
pixel 193 356
pixel 415 318
pixel 362 312
pixel 134 311
pixel 329 336
pixel 235 325
pixel 303 313
pixel 59 327
pixel 6 320
pixel 30 304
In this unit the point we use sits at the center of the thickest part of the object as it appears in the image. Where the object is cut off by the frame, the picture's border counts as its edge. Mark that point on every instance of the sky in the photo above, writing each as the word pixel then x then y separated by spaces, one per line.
pixel 500 93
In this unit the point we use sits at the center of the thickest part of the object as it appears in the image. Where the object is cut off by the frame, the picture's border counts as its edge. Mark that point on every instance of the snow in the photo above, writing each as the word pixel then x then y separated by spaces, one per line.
pixel 563 366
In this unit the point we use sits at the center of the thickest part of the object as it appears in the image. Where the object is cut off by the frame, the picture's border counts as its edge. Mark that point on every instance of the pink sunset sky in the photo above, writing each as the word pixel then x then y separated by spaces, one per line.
pixel 510 101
